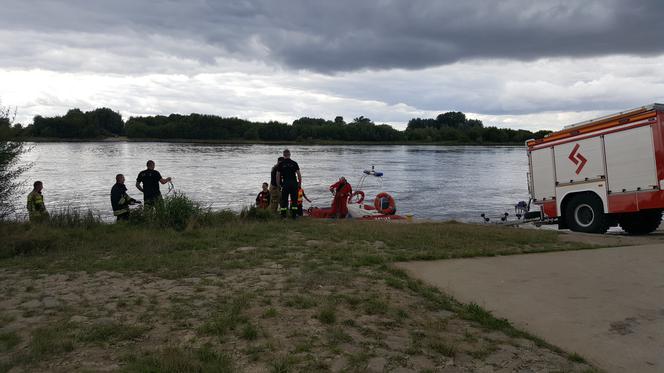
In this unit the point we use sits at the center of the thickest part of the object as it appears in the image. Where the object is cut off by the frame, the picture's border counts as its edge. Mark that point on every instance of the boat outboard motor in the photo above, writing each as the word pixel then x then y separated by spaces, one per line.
pixel 521 208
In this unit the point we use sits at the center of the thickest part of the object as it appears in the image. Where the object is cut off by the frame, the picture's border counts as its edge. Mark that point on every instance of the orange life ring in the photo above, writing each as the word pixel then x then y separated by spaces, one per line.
pixel 392 207
pixel 357 193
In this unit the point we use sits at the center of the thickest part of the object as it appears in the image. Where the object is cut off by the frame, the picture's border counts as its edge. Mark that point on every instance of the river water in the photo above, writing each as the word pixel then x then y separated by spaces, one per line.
pixel 434 182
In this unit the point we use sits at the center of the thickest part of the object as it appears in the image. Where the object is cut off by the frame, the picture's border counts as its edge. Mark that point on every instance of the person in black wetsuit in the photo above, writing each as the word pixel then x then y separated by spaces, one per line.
pixel 120 201
pixel 150 179
pixel 289 179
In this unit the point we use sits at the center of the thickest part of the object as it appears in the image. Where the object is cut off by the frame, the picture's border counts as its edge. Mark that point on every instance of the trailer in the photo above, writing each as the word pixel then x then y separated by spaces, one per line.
pixel 603 172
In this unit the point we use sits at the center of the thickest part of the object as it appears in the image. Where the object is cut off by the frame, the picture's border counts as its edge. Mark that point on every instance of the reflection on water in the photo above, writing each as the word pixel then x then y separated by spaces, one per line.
pixel 439 182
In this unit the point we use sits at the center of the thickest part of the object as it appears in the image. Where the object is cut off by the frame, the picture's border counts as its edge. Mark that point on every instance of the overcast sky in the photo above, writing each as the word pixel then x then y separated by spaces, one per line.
pixel 512 63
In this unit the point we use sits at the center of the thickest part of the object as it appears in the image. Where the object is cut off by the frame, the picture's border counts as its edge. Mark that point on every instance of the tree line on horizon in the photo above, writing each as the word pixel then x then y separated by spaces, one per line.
pixel 450 127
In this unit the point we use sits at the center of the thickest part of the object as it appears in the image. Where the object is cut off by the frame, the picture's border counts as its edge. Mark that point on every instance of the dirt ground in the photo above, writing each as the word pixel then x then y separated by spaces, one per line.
pixel 605 304
pixel 265 319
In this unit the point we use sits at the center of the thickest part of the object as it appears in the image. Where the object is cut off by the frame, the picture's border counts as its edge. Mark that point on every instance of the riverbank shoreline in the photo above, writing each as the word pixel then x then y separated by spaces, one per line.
pixel 256 296
pixel 257 142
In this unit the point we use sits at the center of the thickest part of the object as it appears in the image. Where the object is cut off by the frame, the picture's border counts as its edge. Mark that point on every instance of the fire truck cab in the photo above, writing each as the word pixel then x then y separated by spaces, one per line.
pixel 603 172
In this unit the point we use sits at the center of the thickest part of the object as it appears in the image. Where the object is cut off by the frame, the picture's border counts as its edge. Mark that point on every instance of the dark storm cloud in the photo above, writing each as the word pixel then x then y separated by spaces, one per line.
pixel 327 36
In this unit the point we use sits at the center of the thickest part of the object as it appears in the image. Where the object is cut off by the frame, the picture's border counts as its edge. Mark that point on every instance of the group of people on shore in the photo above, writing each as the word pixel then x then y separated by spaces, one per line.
pixel 285 186
pixel 147 182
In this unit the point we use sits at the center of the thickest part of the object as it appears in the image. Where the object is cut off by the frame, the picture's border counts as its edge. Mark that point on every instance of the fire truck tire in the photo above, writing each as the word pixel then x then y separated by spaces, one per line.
pixel 642 222
pixel 585 213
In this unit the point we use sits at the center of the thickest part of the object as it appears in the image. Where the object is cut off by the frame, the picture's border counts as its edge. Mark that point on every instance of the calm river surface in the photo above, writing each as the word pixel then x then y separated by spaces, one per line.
pixel 436 182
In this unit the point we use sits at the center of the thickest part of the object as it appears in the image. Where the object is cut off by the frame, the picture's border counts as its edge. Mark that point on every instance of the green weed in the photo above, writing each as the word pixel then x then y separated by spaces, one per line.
pixel 443 348
pixel 177 360
pixel 8 341
pixel 51 340
pixel 476 313
pixel 576 358
pixel 282 364
pixel 110 333
pixel 227 317
pixel 249 332
pixel 301 302
pixel 327 315
pixel 270 313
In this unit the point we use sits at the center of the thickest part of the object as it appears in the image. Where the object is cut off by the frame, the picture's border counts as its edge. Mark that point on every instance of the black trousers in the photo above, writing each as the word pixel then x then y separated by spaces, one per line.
pixel 289 189
pixel 123 217
pixel 152 201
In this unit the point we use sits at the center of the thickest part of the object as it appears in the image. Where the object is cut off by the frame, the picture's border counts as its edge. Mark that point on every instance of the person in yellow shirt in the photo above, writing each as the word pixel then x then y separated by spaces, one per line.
pixel 36 207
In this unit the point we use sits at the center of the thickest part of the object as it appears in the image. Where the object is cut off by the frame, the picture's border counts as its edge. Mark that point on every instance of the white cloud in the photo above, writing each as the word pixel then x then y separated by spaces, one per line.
pixel 543 94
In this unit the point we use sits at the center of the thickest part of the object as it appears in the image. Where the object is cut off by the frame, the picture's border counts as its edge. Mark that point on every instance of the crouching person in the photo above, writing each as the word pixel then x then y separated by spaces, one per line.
pixel 120 201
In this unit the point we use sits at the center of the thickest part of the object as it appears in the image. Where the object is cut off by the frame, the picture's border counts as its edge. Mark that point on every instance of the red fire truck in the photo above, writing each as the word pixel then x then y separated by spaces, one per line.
pixel 603 172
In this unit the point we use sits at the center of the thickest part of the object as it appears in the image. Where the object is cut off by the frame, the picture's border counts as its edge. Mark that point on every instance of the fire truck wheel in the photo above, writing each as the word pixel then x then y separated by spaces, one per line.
pixel 642 222
pixel 585 213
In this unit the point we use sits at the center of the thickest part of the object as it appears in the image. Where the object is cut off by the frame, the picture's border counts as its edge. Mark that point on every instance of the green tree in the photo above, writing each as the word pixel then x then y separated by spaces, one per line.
pixel 106 120
pixel 10 170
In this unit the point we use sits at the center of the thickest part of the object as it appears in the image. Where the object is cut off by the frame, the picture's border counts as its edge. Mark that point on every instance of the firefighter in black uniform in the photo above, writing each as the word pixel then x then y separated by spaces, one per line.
pixel 289 180
pixel 150 179
pixel 120 201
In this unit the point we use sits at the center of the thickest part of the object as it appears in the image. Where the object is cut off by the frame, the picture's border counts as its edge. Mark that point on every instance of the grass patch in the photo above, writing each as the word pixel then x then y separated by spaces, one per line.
pixel 227 317
pixel 301 302
pixel 576 358
pixel 269 313
pixel 8 341
pixel 344 270
pixel 177 360
pixel 71 217
pixel 249 332
pixel 373 305
pixel 110 333
pixel 483 352
pixel 282 364
pixel 209 247
pixel 52 340
pixel 476 313
pixel 337 335
pixel 6 319
pixel 327 315
pixel 443 348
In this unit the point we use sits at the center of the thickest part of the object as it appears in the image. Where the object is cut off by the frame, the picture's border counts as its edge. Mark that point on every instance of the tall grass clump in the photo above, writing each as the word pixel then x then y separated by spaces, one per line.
pixel 176 211
pixel 73 218
pixel 180 212
pixel 255 213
